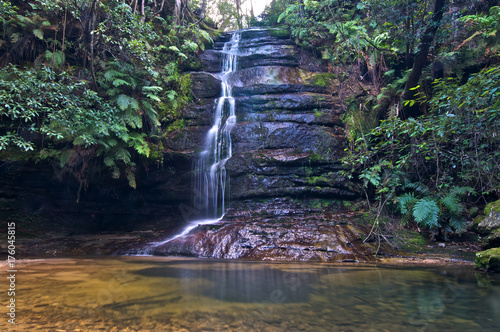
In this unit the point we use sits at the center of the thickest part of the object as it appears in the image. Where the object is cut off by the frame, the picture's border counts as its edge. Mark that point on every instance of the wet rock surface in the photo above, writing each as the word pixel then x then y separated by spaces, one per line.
pixel 286 146
pixel 295 240
pixel 205 85
pixel 281 229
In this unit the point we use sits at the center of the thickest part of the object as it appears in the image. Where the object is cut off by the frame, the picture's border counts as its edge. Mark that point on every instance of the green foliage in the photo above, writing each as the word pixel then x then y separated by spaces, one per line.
pixel 133 59
pixel 426 212
pixel 434 161
pixel 487 27
pixel 43 107
pixel 433 210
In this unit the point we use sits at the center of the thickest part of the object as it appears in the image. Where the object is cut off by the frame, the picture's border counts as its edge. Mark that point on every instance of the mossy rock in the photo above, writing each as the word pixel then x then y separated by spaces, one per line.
pixel 488 260
pixel 492 207
pixel 409 239
pixel 478 219
pixel 492 240
pixel 324 79
pixel 491 220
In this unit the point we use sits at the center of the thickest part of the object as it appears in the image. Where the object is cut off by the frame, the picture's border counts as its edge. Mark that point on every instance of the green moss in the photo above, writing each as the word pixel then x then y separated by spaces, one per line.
pixel 280 33
pixel 185 87
pixel 410 240
pixel 495 206
pixel 315 157
pixel 323 80
pixel 488 259
pixel 478 219
pixel 316 180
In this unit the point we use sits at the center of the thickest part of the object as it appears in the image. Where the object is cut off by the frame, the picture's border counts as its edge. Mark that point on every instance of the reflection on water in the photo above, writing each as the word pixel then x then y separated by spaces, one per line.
pixel 165 294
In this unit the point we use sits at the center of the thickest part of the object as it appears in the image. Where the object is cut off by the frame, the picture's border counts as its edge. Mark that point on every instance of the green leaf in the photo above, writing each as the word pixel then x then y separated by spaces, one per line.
pixel 38 33
pixel 426 212
pixel 118 82
pixel 152 88
pixel 452 203
pixel 124 102
pixel 65 156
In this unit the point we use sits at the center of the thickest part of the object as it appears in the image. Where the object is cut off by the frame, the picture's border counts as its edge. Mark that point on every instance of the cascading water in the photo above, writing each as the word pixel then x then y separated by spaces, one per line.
pixel 210 173
pixel 210 179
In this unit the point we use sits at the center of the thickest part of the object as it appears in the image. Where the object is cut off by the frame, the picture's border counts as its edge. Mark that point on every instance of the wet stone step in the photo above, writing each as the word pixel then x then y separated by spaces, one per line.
pixel 257 42
pixel 297 102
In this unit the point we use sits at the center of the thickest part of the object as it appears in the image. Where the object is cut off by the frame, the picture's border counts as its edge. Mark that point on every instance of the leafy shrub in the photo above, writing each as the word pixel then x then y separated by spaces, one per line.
pixel 451 153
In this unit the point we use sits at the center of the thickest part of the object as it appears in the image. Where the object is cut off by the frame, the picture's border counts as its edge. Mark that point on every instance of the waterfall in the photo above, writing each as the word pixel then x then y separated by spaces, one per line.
pixel 210 177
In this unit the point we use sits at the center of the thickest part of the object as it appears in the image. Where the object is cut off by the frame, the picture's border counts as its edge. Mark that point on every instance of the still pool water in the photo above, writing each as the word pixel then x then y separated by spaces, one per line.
pixel 172 294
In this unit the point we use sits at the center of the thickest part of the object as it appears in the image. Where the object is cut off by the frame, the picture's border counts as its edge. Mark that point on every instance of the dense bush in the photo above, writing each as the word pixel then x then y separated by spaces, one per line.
pixel 426 165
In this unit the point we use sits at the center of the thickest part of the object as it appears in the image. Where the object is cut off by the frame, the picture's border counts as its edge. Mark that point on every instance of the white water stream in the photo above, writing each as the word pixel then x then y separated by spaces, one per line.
pixel 210 178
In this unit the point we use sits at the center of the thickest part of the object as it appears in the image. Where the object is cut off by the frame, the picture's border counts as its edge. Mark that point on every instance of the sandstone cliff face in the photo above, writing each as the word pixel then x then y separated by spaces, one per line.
pixel 287 193
pixel 289 138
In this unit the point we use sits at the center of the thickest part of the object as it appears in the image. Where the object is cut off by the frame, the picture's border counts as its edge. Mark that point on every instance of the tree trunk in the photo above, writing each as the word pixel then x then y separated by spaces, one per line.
pixel 252 14
pixel 177 11
pixel 203 8
pixel 238 14
pixel 412 109
pixel 90 31
pixel 143 13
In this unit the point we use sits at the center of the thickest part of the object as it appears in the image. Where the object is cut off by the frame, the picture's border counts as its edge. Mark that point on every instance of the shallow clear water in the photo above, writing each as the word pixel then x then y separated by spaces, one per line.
pixel 169 294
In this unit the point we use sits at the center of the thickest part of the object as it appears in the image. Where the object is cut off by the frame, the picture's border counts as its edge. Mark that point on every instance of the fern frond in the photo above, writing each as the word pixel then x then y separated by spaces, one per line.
pixel 123 101
pixel 115 173
pixel 461 191
pixel 123 155
pixel 111 75
pixel 458 224
pixel 406 202
pixel 133 120
pixel 152 88
pixel 426 212
pixel 118 82
pixel 108 161
pixel 452 204
pixel 131 177
pixel 418 187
